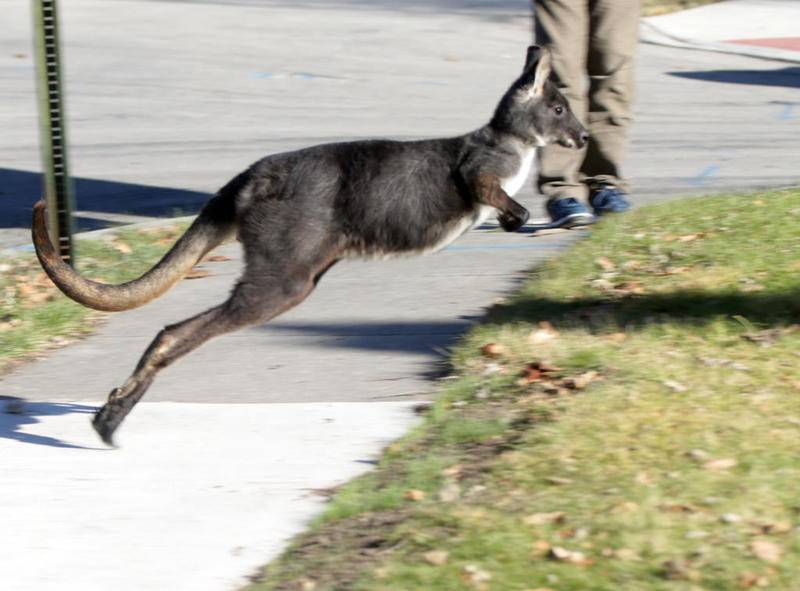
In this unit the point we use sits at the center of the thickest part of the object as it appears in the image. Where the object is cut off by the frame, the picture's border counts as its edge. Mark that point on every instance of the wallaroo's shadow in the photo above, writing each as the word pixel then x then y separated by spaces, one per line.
pixel 422 338
pixel 685 306
pixel 20 189
pixel 15 413
pixel 430 341
pixel 788 77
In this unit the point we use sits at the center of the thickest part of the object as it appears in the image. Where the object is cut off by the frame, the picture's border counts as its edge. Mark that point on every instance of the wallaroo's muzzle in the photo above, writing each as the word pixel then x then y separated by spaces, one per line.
pixel 576 141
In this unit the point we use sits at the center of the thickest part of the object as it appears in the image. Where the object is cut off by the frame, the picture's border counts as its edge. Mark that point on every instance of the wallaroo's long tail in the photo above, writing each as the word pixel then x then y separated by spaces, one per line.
pixel 213 226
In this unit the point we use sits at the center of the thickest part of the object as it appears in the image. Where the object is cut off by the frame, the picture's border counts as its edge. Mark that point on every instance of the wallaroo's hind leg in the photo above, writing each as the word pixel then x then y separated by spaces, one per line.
pixel 250 303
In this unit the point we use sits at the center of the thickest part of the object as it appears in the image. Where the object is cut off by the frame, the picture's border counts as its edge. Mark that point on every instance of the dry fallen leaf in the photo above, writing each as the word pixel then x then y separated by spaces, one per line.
pixel 475 575
pixel 675 386
pixel 414 495
pixel 630 288
pixel 557 480
pixel 436 557
pixel 749 579
pixel 670 270
pixel 679 570
pixel 730 518
pixel 579 382
pixel 453 471
pixel 563 555
pixel 679 507
pixel 543 518
pixel 541 547
pixel 121 247
pixel 720 464
pixel 217 258
pixel 698 455
pixel 775 527
pixel 766 551
pixel 493 350
pixel 529 375
pixel 626 554
pixel 605 263
pixel 543 334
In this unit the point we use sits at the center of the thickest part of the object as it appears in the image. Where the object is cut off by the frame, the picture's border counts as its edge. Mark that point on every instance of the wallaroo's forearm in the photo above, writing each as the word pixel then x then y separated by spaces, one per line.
pixel 488 190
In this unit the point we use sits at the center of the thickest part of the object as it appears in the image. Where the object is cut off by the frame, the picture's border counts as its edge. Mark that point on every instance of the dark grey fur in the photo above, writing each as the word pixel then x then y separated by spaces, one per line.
pixel 296 214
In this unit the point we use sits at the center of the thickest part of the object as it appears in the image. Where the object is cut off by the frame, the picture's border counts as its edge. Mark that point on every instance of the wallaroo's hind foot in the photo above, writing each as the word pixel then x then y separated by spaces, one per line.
pixel 105 423
pixel 112 413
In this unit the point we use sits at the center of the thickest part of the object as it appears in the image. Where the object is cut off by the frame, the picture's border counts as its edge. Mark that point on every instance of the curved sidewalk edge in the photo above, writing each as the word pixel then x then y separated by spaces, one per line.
pixel 650 33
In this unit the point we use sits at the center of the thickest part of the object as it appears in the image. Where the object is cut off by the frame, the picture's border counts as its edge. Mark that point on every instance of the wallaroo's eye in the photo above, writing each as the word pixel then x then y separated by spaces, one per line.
pixel 559 110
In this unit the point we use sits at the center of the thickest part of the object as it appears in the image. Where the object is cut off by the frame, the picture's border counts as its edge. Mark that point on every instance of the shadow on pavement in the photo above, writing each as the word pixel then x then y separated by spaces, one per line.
pixel 16 413
pixel 788 77
pixel 422 338
pixel 20 189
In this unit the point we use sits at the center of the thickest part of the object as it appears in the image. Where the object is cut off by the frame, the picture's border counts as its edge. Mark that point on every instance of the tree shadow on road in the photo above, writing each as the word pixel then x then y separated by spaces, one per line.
pixel 15 413
pixel 693 307
pixel 20 189
pixel 788 77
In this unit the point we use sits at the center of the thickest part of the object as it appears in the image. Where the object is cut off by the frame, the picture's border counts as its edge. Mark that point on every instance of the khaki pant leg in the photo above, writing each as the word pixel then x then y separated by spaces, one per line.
pixel 613 38
pixel 563 27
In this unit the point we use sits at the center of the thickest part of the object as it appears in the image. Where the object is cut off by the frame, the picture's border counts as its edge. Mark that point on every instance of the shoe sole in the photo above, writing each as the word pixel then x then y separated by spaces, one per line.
pixel 573 220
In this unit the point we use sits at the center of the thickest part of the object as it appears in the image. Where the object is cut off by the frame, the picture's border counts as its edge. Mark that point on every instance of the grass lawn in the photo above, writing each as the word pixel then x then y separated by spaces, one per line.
pixel 34 316
pixel 630 420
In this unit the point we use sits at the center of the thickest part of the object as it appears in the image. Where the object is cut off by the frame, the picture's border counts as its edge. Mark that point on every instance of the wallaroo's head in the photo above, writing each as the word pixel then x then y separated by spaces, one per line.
pixel 534 109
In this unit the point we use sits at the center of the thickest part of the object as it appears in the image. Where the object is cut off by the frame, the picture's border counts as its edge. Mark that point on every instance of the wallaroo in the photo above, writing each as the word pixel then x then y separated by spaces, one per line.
pixel 297 213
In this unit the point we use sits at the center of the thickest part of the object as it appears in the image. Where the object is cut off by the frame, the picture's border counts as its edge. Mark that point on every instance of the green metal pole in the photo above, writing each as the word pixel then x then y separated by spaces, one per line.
pixel 57 184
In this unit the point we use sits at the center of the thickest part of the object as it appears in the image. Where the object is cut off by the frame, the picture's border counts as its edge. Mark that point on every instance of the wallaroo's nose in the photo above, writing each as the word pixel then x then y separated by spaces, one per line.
pixel 584 137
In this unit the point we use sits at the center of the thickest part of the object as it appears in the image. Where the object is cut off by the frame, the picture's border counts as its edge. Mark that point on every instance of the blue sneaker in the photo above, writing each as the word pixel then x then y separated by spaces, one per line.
pixel 608 199
pixel 568 212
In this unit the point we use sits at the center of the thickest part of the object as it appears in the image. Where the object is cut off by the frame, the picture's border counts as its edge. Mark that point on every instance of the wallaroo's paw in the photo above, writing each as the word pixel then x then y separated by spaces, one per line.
pixel 512 223
pixel 105 424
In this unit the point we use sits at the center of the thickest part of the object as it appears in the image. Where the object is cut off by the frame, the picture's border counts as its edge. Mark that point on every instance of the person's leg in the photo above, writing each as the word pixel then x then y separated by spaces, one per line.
pixel 613 36
pixel 562 26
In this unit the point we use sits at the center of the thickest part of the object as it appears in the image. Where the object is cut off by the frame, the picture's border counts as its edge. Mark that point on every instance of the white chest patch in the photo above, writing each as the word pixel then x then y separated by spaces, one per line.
pixel 514 183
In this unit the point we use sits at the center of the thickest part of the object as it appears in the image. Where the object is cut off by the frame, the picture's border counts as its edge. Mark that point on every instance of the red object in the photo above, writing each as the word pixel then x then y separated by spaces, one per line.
pixel 790 43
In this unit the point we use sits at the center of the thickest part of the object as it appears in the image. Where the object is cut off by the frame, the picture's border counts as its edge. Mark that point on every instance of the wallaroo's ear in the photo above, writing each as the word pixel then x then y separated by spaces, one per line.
pixel 543 67
pixel 532 57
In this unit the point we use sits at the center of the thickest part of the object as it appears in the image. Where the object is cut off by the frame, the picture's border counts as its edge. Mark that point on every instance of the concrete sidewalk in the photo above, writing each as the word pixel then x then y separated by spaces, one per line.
pixel 758 28
pixel 182 95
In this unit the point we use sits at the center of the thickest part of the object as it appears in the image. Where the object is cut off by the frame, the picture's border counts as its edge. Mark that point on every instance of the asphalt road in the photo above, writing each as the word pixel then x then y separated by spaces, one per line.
pixel 168 100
